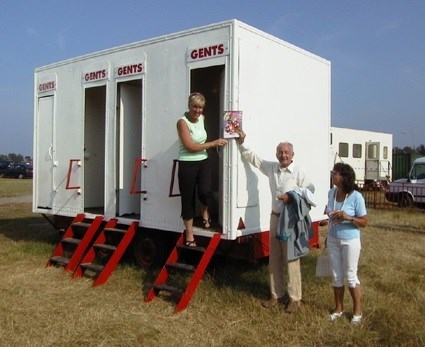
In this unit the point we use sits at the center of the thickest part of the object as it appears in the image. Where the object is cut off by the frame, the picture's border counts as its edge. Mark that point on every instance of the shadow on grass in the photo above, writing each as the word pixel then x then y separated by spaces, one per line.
pixel 35 229
pixel 239 275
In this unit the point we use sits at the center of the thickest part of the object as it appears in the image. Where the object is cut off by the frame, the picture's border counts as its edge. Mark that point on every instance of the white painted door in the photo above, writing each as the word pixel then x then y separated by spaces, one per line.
pixel 44 150
pixel 372 160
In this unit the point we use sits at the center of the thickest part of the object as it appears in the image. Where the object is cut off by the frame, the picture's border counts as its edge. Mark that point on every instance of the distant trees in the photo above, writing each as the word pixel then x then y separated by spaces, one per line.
pixel 409 150
pixel 16 158
pixel 421 149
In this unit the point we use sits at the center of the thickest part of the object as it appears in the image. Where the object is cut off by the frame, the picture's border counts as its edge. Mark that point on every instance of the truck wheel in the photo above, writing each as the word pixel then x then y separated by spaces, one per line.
pixel 405 200
pixel 148 249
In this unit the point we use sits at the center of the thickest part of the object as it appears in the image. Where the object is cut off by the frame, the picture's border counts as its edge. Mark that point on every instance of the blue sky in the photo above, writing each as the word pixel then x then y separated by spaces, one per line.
pixel 376 48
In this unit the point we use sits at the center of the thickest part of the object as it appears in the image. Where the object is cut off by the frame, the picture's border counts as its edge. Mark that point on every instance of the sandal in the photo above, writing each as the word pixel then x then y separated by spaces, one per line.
pixel 335 315
pixel 190 243
pixel 356 319
pixel 206 223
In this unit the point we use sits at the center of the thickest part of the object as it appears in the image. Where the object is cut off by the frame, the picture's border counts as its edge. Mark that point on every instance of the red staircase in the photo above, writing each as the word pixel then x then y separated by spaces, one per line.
pixel 75 241
pixel 105 253
pixel 175 264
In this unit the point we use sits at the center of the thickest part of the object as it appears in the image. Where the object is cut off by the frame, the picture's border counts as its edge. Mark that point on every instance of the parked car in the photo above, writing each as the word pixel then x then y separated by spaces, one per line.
pixel 410 191
pixel 18 171
pixel 4 164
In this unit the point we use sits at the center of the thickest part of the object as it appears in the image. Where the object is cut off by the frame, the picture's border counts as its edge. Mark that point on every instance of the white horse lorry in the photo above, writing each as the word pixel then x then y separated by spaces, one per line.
pixel 106 143
pixel 368 152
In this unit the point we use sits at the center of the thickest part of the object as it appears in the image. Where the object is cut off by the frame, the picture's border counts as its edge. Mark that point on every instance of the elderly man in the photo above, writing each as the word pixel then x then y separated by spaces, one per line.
pixel 284 176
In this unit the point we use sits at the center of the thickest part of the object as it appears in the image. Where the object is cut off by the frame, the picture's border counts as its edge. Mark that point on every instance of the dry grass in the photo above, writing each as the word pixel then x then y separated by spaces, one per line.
pixel 15 187
pixel 43 307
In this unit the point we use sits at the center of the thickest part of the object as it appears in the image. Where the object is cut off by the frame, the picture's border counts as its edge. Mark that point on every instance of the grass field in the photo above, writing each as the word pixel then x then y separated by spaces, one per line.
pixel 43 307
pixel 14 187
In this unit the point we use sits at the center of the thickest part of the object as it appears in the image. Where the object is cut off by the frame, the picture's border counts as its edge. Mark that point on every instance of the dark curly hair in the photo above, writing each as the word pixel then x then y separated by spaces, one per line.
pixel 348 176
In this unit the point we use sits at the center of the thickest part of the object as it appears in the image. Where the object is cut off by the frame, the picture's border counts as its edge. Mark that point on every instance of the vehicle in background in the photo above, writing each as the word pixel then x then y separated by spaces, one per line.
pixel 410 191
pixel 402 162
pixel 368 153
pixel 18 171
pixel 4 164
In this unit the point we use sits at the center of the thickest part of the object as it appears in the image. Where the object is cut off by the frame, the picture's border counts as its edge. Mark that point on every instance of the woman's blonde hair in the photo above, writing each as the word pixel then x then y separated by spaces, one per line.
pixel 196 99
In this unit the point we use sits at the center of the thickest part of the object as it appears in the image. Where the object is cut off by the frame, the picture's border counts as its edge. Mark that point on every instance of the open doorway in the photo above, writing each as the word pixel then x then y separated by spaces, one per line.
pixel 129 144
pixel 210 82
pixel 94 149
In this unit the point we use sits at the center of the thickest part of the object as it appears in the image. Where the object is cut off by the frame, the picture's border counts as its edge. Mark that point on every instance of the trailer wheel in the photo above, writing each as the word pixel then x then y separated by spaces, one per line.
pixel 405 200
pixel 148 249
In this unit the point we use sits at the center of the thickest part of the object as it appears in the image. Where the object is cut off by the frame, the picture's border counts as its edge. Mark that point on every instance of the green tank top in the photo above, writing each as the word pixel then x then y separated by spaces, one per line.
pixel 199 135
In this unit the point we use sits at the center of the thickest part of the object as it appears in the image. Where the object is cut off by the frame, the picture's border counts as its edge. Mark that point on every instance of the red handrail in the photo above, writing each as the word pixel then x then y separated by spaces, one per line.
pixel 137 164
pixel 68 176
pixel 173 174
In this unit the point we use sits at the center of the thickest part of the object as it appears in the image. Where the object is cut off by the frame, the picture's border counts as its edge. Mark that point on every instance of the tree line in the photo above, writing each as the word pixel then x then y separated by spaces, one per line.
pixel 16 158
pixel 410 150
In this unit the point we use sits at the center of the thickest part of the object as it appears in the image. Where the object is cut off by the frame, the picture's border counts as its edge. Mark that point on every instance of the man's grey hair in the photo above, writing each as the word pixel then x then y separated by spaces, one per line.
pixel 285 143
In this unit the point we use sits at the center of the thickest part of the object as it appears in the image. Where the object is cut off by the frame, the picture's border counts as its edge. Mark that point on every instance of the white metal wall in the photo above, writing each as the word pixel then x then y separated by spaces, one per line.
pixel 283 91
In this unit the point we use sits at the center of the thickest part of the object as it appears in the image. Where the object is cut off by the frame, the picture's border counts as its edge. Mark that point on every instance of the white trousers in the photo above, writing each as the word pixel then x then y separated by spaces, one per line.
pixel 284 276
pixel 344 255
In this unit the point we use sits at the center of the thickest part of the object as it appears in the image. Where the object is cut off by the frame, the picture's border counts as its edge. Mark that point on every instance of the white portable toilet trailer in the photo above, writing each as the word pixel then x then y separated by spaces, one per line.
pixel 106 143
pixel 368 152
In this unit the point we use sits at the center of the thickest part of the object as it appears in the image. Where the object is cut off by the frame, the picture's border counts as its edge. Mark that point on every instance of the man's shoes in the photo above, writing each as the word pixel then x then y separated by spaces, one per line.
pixel 293 306
pixel 270 303
pixel 274 301
pixel 284 300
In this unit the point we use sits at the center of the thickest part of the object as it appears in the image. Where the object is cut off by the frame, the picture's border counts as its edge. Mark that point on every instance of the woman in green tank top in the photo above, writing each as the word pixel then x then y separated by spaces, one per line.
pixel 194 171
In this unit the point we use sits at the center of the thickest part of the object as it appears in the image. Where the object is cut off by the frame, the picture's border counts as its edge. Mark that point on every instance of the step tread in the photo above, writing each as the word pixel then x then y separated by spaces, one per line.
pixel 81 225
pixel 181 266
pixel 105 246
pixel 168 288
pixel 58 259
pixel 92 267
pixel 116 230
pixel 192 248
pixel 72 240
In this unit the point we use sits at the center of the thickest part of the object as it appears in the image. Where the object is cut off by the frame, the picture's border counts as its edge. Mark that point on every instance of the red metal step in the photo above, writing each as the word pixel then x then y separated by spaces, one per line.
pixel 75 242
pixel 175 263
pixel 104 266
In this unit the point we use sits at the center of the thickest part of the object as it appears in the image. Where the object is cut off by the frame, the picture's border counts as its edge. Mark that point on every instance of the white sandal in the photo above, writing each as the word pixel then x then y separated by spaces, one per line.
pixel 356 319
pixel 335 315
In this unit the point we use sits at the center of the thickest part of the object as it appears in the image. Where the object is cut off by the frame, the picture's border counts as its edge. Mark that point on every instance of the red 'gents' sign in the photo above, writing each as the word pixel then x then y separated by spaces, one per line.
pixel 96 75
pixel 129 70
pixel 207 52
pixel 48 86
